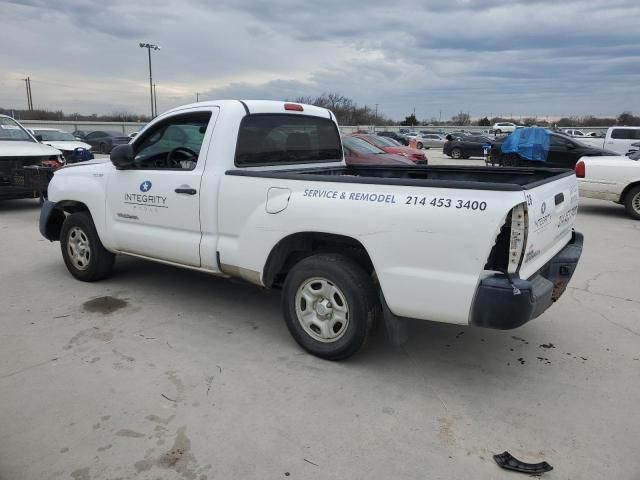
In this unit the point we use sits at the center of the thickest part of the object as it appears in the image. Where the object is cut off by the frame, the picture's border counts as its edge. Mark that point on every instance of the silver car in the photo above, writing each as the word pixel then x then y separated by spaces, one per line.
pixel 433 140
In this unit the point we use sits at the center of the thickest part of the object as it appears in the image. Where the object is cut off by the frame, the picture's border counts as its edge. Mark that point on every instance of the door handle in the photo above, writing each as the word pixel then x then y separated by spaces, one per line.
pixel 559 198
pixel 186 190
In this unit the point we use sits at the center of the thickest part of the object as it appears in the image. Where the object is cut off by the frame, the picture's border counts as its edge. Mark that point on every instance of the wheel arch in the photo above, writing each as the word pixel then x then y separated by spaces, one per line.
pixel 295 247
pixel 53 224
pixel 627 189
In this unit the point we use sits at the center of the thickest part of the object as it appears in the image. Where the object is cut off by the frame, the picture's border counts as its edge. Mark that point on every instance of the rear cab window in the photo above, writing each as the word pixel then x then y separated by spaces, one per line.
pixel 626 133
pixel 282 139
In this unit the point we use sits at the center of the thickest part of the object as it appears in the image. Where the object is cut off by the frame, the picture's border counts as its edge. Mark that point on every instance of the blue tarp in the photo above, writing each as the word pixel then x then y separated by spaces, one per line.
pixel 531 143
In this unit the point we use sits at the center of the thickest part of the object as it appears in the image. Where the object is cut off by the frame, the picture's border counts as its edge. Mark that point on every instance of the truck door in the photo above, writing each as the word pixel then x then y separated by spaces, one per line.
pixel 153 208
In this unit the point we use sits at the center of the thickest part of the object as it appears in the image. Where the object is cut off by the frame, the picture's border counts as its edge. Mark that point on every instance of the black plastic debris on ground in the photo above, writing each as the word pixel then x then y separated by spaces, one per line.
pixel 509 462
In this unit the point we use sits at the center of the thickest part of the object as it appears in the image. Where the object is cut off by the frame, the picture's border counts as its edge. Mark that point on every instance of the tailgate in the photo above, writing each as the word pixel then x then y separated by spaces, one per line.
pixel 551 213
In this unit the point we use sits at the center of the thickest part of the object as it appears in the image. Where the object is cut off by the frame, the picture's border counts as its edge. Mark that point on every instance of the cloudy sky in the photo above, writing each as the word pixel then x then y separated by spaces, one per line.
pixel 487 57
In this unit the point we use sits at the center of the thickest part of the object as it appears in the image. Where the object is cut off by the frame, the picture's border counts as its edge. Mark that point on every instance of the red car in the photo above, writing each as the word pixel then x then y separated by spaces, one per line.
pixel 389 146
pixel 359 152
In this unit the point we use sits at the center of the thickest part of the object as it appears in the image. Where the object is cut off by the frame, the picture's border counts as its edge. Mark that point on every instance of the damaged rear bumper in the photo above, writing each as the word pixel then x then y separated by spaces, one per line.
pixel 499 305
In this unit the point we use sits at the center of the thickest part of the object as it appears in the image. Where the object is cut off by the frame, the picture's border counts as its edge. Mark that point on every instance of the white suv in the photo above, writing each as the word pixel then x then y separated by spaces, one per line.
pixel 504 127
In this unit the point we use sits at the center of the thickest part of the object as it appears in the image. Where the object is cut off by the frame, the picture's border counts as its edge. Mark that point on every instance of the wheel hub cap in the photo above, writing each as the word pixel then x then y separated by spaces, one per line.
pixel 322 310
pixel 78 248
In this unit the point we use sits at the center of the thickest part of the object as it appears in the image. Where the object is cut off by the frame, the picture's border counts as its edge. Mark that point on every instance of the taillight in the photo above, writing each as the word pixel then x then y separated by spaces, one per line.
pixel 580 169
pixel 518 237
pixel 293 106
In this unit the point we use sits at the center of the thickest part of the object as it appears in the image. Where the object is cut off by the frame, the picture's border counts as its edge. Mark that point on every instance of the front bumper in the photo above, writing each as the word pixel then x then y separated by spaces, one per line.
pixel 499 305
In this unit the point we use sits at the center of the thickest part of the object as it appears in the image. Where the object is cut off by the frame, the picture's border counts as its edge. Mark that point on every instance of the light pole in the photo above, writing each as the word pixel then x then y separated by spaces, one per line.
pixel 376 118
pixel 149 47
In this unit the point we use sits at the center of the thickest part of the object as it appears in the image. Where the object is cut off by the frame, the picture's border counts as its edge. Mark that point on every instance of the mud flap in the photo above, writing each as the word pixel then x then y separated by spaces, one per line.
pixel 397 327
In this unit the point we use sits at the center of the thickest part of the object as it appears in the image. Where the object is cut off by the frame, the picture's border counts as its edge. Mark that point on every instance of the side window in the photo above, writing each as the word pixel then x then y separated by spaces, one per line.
pixel 172 144
pixel 622 134
pixel 557 141
pixel 93 135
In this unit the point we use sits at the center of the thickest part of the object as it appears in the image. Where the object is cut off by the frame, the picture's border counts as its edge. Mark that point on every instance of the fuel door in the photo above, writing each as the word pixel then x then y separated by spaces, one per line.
pixel 277 199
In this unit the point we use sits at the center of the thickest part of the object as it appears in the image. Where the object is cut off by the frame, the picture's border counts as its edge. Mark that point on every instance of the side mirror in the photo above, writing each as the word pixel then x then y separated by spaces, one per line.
pixel 39 138
pixel 122 156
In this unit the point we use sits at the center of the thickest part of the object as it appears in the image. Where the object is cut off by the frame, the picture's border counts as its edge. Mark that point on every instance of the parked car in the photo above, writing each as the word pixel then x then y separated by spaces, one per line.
pixel 80 134
pixel 465 147
pixel 72 150
pixel 359 152
pixel 104 141
pixel 564 152
pixel 617 139
pixel 416 140
pixel 615 178
pixel 434 140
pixel 21 159
pixel 575 132
pixel 386 144
pixel 402 139
pixel 504 127
pixel 266 197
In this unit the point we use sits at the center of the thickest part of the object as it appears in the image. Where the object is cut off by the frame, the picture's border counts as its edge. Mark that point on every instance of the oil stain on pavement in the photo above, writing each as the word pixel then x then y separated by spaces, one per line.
pixel 104 305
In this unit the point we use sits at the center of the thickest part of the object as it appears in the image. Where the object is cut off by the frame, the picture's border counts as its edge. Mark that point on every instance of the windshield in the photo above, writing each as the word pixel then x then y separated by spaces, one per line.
pixel 11 131
pixel 54 135
pixel 360 146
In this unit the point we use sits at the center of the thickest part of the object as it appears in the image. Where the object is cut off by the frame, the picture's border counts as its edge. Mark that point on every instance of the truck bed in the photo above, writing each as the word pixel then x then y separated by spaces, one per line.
pixel 441 176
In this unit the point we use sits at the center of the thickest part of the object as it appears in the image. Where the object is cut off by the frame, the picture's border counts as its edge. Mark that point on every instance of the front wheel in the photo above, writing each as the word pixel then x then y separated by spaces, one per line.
pixel 456 153
pixel 329 305
pixel 632 202
pixel 419 145
pixel 82 251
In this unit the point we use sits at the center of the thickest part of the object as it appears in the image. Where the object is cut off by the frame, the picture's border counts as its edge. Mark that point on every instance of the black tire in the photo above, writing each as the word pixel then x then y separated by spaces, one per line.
pixel 103 148
pixel 354 289
pixel 632 202
pixel 456 153
pixel 98 263
pixel 419 145
pixel 498 132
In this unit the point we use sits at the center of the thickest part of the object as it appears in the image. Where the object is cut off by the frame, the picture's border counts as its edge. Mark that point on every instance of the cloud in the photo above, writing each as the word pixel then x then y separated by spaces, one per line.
pixel 535 57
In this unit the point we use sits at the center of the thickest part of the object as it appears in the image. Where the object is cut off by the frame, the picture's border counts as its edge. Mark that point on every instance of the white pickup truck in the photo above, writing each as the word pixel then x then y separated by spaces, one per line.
pixel 617 139
pixel 259 190
pixel 612 178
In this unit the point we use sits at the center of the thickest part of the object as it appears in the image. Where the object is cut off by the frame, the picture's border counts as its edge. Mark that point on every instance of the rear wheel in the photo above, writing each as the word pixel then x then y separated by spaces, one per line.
pixel 632 202
pixel 82 251
pixel 329 305
pixel 456 153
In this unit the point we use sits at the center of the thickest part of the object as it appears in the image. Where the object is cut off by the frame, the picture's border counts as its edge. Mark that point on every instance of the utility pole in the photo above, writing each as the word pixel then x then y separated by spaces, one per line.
pixel 440 119
pixel 149 47
pixel 155 99
pixel 197 97
pixel 27 83
pixel 30 94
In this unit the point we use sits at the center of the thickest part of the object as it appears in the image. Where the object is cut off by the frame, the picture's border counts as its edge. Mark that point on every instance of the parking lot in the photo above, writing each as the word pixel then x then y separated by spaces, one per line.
pixel 165 373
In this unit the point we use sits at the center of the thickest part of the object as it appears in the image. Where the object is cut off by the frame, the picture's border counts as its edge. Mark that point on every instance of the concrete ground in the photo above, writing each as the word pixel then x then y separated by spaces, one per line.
pixel 161 373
